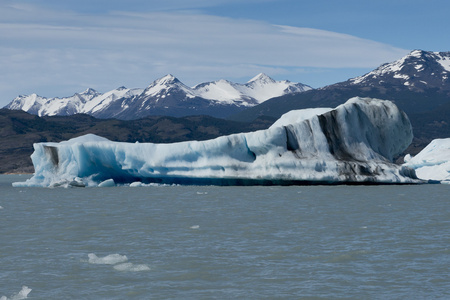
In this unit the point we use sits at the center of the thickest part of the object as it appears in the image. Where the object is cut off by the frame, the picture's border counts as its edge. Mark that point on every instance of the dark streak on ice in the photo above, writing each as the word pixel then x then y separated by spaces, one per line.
pixel 331 129
pixel 52 152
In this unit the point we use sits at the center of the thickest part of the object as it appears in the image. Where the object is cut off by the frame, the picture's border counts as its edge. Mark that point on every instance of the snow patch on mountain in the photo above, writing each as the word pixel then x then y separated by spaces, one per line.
pixel 221 90
pixel 257 90
pixel 102 101
pixel 444 61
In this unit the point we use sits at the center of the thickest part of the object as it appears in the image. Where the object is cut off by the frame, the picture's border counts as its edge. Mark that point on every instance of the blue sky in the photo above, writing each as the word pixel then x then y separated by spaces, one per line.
pixel 56 48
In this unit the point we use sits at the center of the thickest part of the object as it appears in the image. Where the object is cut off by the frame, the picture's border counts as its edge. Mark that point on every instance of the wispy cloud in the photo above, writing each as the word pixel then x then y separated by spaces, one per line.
pixel 65 50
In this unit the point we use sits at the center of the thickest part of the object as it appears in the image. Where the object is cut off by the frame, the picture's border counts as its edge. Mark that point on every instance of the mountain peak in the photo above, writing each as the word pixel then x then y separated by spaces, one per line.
pixel 166 85
pixel 89 91
pixel 261 77
pixel 417 53
pixel 168 79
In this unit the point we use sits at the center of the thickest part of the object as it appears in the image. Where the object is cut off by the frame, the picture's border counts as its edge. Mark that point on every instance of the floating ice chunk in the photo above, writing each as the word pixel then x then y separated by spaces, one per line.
pixel 23 294
pixel 111 259
pixel 353 143
pixel 20 184
pixel 407 158
pixel 119 261
pixel 130 267
pixel 195 227
pixel 433 162
pixel 75 182
pixel 107 183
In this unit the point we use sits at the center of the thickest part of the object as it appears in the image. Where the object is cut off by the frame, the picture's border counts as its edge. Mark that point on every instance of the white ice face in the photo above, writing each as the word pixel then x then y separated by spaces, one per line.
pixel 354 142
pixel 433 162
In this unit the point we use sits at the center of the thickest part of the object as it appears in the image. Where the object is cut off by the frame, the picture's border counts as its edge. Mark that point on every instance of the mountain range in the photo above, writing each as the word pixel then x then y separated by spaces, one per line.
pixel 166 96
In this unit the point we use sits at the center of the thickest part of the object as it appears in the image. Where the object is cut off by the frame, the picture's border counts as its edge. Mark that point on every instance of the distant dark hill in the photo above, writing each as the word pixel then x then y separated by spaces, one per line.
pixel 19 130
pixel 428 126
pixel 334 95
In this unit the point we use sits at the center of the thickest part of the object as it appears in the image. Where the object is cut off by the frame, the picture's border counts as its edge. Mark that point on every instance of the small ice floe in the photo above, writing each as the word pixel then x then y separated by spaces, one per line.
pixel 130 267
pixel 140 184
pixel 75 182
pixel 202 193
pixel 107 183
pixel 111 259
pixel 195 227
pixel 1 207
pixel 23 294
pixel 120 262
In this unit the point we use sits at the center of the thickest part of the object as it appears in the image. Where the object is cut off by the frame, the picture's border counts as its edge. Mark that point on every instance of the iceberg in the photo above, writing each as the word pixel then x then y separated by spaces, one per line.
pixel 354 143
pixel 433 162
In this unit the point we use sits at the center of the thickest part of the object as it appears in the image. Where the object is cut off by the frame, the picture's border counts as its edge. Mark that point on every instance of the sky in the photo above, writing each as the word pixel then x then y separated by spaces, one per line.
pixel 56 48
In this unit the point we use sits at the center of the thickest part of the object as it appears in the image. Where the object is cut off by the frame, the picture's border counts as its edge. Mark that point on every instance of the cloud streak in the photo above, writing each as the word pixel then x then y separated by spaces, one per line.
pixel 57 51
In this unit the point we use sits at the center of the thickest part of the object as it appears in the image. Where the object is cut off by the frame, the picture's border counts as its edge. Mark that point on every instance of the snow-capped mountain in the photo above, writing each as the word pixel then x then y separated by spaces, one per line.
pixel 35 104
pixel 165 96
pixel 417 83
pixel 259 89
pixel 90 101
pixel 418 70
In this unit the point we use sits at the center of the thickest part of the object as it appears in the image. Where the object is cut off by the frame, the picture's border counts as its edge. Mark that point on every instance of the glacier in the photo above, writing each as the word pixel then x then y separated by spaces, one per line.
pixel 433 162
pixel 354 143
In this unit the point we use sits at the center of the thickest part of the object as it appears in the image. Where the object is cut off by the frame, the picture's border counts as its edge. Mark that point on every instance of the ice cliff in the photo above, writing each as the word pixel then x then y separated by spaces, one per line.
pixel 433 162
pixel 353 143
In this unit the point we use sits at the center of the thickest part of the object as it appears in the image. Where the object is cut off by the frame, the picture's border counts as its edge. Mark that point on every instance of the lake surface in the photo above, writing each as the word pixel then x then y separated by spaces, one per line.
pixel 206 242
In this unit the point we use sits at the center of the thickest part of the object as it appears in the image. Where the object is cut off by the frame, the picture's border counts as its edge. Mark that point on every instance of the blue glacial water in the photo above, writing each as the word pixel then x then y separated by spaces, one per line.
pixel 206 242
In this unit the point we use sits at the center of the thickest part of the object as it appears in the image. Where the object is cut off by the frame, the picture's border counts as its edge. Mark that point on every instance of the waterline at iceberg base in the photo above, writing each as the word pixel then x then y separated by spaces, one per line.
pixel 354 143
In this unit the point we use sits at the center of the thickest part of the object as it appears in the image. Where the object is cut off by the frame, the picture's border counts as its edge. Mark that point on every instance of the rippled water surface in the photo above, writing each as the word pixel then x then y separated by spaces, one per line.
pixel 201 242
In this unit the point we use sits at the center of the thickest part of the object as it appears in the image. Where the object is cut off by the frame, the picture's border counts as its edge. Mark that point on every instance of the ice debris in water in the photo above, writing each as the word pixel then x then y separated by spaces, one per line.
pixel 355 142
pixel 119 261
pixel 107 183
pixel 140 184
pixel 23 294
pixel 131 267
pixel 111 259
